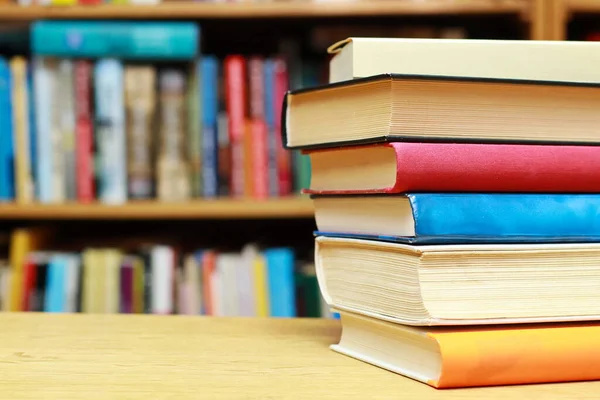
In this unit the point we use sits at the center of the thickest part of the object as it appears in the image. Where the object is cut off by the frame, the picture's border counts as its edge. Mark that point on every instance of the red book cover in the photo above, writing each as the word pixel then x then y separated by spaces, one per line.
pixel 283 156
pixel 84 140
pixel 235 105
pixel 466 167
pixel 29 278
pixel 258 129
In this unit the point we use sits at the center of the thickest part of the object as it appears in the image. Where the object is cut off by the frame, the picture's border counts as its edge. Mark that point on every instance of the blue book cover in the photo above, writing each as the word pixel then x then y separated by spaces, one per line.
pixel 7 176
pixel 55 293
pixel 120 39
pixel 445 218
pixel 280 282
pixel 32 126
pixel 272 139
pixel 208 79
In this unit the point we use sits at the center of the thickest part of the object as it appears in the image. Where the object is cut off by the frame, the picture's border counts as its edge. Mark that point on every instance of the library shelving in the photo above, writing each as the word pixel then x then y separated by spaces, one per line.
pixel 567 13
pixel 292 207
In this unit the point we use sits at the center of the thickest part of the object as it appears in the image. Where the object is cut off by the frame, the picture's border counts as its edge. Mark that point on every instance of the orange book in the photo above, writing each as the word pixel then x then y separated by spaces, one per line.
pixel 209 262
pixel 467 356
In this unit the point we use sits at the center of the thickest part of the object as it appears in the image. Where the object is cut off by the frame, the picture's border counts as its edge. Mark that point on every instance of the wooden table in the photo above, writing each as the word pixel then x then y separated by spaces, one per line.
pixel 46 356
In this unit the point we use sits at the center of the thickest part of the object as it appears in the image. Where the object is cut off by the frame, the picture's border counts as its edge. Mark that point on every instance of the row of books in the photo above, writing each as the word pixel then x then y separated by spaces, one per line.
pixel 161 279
pixel 123 132
pixel 456 202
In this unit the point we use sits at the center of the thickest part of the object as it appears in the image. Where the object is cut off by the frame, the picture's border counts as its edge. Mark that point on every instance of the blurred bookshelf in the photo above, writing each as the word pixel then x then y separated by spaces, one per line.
pixel 271 9
pixel 293 207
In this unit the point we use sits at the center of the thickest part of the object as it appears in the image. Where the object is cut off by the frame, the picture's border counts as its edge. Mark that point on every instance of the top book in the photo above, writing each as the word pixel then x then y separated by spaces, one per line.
pixel 570 61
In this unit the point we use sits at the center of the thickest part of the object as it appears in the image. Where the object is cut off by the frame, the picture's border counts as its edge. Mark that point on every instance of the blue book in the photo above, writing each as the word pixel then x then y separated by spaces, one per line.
pixel 208 79
pixel 7 151
pixel 55 293
pixel 462 217
pixel 32 126
pixel 272 138
pixel 120 39
pixel 280 282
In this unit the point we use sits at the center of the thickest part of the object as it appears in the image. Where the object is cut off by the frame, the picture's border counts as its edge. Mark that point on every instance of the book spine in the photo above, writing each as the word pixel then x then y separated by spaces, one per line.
pixel 67 127
pixel 32 129
pixel 172 163
pixel 110 116
pixel 20 107
pixel 57 142
pixel 44 79
pixel 111 39
pixel 140 103
pixel 194 128
pixel 209 76
pixel 6 134
pixel 283 155
pixel 281 284
pixel 84 137
pixel 235 95
pixel 258 134
pixel 272 140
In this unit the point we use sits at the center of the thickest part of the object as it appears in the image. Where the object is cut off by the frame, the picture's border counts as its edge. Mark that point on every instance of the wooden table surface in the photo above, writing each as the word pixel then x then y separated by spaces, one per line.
pixel 82 356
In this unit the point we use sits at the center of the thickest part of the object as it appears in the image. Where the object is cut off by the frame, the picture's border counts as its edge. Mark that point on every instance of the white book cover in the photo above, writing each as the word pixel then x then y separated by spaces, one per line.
pixel 44 77
pixel 162 265
pixel 111 139
pixel 227 264
pixel 245 282
pixel 73 264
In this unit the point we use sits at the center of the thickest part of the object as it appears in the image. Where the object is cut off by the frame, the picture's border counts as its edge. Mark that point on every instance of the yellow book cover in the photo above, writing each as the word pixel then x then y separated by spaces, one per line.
pixel 63 2
pixel 92 282
pixel 260 286
pixel 111 262
pixel 22 164
pixel 138 285
pixel 22 242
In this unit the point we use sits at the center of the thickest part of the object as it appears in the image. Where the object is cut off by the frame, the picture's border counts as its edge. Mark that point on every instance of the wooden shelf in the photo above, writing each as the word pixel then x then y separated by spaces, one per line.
pixel 582 6
pixel 275 9
pixel 202 209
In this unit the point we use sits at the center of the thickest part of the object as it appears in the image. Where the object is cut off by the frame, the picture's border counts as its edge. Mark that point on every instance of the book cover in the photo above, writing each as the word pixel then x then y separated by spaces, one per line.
pixel 235 97
pixel 84 131
pixel 24 189
pixel 7 150
pixel 115 39
pixel 172 166
pixel 67 123
pixel 280 281
pixel 140 103
pixel 209 81
pixel 110 131
pixel 493 218
pixel 457 167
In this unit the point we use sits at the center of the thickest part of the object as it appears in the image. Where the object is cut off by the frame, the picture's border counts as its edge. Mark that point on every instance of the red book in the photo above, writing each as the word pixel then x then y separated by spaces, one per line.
pixel 400 167
pixel 258 129
pixel 235 104
pixel 29 282
pixel 283 155
pixel 84 141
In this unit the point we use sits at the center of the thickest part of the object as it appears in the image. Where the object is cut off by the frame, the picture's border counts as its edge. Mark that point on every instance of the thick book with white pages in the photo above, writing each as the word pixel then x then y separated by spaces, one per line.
pixel 570 61
pixel 460 284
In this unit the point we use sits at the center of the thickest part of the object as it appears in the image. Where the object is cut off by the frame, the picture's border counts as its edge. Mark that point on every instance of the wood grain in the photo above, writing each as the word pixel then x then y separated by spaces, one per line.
pixel 293 207
pixel 268 9
pixel 82 356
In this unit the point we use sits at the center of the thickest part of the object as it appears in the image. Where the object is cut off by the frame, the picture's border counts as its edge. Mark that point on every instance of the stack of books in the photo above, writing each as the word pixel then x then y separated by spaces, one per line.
pixel 457 208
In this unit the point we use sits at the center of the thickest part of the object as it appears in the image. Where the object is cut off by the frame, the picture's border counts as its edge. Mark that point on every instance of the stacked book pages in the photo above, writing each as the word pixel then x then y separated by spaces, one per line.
pixel 456 186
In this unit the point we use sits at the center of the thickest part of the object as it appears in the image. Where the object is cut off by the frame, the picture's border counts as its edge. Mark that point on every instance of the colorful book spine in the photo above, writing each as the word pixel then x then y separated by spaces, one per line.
pixel 209 76
pixel 270 117
pixel 84 132
pixel 283 155
pixel 44 80
pixel 118 39
pixel 67 126
pixel 235 94
pixel 6 134
pixel 258 134
pixel 194 128
pixel 21 132
pixel 281 284
pixel 110 117
pixel 172 163
pixel 140 103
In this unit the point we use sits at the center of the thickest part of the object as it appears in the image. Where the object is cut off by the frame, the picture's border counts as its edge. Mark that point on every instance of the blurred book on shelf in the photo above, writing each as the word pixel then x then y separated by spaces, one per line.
pixel 159 278
pixel 92 116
